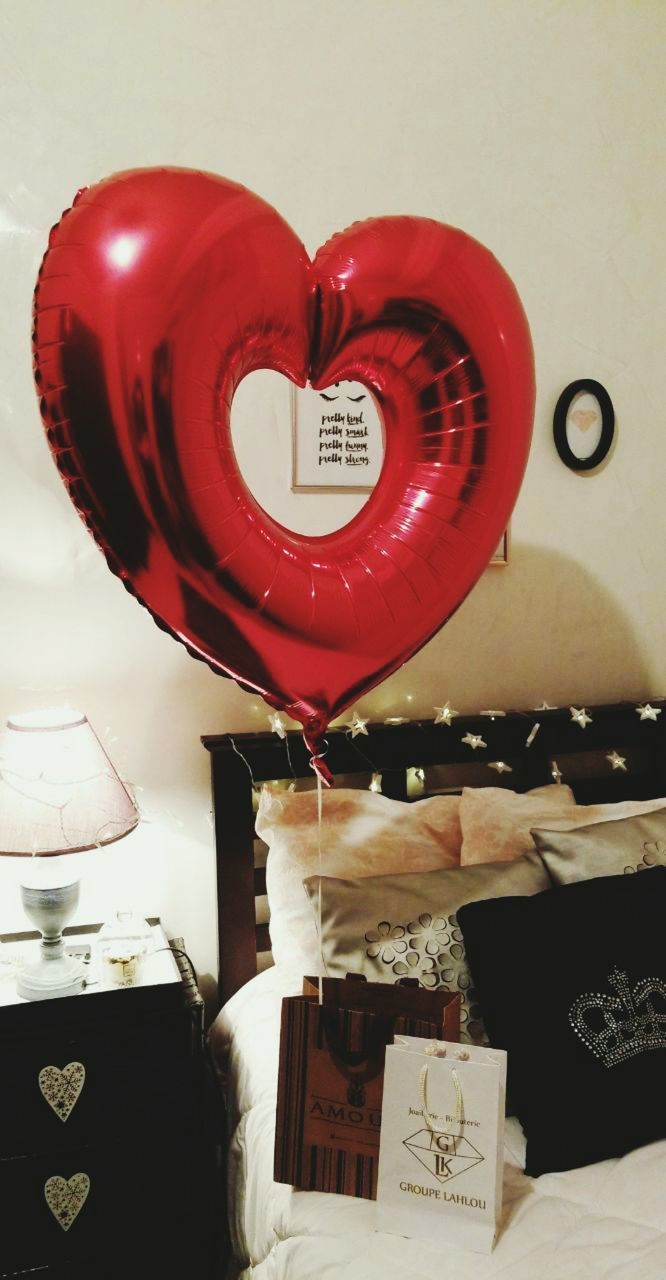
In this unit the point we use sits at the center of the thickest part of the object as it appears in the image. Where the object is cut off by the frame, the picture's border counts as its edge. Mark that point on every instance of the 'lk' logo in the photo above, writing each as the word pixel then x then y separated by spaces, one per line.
pixel 446 1155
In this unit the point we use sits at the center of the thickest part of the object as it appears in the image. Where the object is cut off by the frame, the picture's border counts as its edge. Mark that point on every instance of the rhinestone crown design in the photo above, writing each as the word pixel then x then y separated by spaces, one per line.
pixel 617 1027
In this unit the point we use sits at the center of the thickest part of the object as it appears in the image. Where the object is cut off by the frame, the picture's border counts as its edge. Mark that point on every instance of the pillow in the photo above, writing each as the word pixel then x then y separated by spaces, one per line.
pixel 613 848
pixel 496 821
pixel 363 833
pixel 496 824
pixel 390 927
pixel 588 963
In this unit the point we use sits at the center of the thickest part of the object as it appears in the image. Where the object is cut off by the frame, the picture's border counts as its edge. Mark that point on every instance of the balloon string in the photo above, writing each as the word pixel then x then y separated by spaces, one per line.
pixel 320 795
pixel 291 767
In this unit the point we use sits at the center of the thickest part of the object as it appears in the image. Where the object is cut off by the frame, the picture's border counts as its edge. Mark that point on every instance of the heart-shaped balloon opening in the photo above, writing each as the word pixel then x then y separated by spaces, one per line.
pixel 159 292
pixel 322 451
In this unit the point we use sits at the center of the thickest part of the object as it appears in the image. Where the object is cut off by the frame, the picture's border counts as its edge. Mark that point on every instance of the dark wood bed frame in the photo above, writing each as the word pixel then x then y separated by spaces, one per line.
pixel 415 759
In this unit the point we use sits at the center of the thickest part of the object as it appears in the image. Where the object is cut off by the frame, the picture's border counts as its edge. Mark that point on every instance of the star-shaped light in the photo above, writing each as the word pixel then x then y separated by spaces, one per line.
pixel 445 714
pixel 397 720
pixel 618 762
pixel 646 712
pixel 580 716
pixel 473 740
pixel 376 783
pixel 555 772
pixel 501 766
pixel 545 706
pixel 493 714
pixel 532 734
pixel 277 725
pixel 357 725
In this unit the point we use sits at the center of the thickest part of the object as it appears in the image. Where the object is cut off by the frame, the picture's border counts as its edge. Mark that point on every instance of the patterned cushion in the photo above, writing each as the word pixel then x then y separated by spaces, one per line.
pixel 605 849
pixel 389 927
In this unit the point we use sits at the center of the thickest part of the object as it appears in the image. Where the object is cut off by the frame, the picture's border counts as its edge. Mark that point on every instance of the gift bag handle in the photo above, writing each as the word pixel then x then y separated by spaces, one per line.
pixel 428 1116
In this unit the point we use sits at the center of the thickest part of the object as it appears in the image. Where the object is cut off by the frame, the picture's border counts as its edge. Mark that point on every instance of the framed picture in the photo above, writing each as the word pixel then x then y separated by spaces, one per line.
pixel 338 439
pixel 501 552
pixel 583 425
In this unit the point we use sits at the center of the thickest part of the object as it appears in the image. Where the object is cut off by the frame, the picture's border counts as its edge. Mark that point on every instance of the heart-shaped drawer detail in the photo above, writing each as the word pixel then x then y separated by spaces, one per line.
pixel 66 1197
pixel 61 1089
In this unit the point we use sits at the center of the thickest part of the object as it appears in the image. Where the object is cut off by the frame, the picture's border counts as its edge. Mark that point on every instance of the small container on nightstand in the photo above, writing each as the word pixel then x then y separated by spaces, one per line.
pixel 122 946
pixel 102 1125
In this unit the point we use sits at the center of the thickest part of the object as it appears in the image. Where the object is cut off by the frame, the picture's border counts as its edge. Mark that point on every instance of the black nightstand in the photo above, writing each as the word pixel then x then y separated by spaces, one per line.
pixel 104 1164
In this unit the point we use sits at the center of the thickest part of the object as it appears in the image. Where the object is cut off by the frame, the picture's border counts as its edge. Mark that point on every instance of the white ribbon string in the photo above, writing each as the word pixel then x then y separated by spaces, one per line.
pixel 428 1116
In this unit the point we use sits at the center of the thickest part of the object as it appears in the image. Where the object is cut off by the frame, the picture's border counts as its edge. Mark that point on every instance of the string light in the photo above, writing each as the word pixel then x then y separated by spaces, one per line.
pixel 357 725
pixel 445 714
pixel 415 781
pixel 501 766
pixel 277 724
pixel 532 734
pixel 580 716
pixel 646 712
pixel 473 740
pixel 618 762
pixel 376 783
pixel 555 772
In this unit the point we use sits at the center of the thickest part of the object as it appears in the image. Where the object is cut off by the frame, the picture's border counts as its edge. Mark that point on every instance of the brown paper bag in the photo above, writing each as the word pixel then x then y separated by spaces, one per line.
pixel 331 1076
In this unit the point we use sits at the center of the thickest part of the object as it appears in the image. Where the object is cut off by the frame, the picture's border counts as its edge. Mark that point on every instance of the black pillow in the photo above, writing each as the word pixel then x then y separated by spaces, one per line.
pixel 572 983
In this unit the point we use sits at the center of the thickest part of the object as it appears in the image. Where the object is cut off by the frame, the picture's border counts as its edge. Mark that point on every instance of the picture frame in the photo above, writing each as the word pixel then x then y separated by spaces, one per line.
pixel 337 436
pixel 593 406
pixel 500 555
pixel 337 439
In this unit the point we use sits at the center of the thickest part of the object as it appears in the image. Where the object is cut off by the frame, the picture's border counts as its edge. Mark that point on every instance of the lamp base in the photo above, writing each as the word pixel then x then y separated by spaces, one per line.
pixel 48 980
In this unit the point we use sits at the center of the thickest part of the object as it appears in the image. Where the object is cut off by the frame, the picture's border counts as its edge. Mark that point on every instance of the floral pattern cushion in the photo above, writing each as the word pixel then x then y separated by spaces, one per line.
pixel 621 847
pixel 398 926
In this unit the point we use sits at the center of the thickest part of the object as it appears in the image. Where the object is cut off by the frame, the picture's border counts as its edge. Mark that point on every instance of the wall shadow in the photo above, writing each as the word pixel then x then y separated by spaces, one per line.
pixel 542 627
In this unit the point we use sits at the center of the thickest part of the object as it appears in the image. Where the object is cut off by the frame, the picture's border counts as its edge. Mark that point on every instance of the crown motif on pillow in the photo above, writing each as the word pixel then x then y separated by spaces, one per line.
pixel 617 1027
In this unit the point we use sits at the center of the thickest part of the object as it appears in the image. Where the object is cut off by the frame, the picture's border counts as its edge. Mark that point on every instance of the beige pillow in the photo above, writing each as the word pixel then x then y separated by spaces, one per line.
pixel 619 847
pixel 389 927
pixel 496 822
pixel 496 829
pixel 363 834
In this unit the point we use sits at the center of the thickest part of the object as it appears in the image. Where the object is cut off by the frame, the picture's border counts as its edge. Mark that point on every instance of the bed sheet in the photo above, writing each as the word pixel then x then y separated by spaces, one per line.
pixel 603 1222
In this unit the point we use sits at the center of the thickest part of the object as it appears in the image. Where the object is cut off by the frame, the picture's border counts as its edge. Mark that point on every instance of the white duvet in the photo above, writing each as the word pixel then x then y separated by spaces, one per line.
pixel 605 1221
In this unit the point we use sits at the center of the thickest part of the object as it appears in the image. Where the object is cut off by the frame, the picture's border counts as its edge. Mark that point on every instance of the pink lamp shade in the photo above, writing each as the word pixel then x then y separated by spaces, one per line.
pixel 59 792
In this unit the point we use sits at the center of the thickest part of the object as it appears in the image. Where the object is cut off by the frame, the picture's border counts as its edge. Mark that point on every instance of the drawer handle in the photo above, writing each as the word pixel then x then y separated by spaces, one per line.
pixel 66 1197
pixel 61 1089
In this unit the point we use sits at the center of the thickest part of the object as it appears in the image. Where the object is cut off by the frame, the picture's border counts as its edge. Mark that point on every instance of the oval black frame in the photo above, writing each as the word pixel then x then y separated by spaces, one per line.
pixel 560 424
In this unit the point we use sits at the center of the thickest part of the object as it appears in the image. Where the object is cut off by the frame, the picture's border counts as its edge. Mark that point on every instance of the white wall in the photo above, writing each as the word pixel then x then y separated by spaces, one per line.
pixel 534 126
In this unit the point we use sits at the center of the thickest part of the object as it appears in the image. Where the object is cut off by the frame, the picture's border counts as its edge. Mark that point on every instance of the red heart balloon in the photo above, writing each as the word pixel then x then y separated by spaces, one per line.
pixel 160 290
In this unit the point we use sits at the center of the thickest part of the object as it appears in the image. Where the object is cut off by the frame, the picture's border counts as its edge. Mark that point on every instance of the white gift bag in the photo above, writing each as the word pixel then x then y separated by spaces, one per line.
pixel 441 1146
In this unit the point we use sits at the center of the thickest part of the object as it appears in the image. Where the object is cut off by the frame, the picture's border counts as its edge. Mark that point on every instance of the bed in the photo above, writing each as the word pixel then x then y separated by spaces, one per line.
pixel 599 1220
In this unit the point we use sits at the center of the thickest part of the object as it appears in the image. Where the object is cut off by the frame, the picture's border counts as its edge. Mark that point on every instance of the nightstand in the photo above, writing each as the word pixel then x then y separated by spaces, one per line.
pixel 103 1165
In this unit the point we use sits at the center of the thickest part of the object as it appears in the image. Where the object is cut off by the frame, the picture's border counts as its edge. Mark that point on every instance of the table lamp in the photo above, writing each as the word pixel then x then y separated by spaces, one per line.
pixel 59 794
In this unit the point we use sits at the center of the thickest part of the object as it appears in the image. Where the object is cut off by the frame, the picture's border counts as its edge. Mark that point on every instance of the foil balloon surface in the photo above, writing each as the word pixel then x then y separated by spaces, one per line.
pixel 159 291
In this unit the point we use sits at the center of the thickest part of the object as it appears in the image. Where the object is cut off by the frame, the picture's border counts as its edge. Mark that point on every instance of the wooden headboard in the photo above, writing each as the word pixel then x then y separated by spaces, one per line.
pixel 414 759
